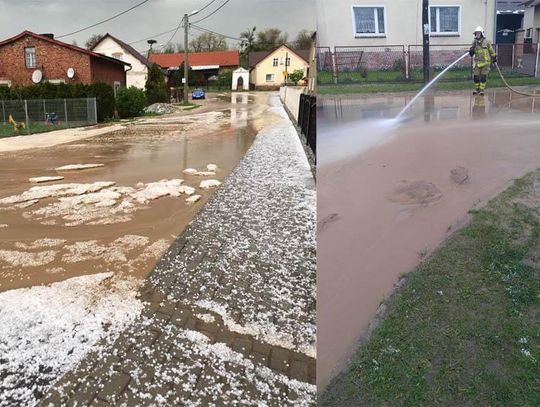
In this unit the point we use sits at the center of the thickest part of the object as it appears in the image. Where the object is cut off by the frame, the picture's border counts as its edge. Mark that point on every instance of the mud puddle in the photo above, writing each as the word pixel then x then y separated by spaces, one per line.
pixel 122 216
pixel 392 200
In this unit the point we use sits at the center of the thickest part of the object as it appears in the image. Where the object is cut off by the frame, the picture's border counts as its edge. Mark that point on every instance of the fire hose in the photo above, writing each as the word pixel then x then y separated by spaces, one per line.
pixel 532 95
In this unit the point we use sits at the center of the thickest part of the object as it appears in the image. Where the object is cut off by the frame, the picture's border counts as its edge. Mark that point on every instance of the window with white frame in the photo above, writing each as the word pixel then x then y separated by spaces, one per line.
pixel 30 57
pixel 287 61
pixel 275 62
pixel 444 20
pixel 270 77
pixel 369 21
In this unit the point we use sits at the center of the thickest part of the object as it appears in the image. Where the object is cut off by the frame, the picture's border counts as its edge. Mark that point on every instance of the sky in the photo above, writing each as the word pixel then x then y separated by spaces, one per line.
pixel 154 17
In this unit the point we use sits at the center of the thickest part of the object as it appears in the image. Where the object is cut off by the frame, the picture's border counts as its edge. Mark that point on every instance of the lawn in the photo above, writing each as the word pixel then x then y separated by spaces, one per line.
pixel 464 329
pixel 6 130
pixel 494 81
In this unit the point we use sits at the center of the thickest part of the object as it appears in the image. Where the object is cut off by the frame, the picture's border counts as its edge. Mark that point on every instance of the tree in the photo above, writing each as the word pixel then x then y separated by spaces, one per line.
pixel 270 38
pixel 208 42
pixel 248 40
pixel 169 49
pixel 303 40
pixel 155 85
pixel 93 40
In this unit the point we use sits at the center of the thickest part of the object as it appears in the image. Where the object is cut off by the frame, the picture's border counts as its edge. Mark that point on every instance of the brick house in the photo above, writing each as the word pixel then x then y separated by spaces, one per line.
pixel 22 55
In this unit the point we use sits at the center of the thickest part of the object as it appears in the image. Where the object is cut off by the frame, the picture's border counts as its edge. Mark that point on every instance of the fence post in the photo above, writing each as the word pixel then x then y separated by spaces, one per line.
pixel 95 111
pixel 334 66
pixel 26 115
pixel 65 112
pixel 536 62
pixel 44 111
pixel 513 54
pixel 3 111
pixel 407 55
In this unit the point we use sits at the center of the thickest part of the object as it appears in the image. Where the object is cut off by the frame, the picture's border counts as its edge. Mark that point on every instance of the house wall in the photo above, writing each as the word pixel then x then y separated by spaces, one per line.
pixel 108 72
pixel 137 75
pixel 53 60
pixel 265 67
pixel 403 22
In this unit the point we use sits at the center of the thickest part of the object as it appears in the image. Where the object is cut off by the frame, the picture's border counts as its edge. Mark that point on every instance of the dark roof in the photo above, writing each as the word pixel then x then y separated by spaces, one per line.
pixel 128 48
pixel 62 44
pixel 258 56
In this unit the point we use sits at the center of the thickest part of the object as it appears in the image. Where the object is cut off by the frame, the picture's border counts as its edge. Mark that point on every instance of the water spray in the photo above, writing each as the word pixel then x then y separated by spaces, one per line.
pixel 429 85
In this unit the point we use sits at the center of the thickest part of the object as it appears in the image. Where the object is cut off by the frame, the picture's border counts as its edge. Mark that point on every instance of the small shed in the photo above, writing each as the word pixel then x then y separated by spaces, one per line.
pixel 240 79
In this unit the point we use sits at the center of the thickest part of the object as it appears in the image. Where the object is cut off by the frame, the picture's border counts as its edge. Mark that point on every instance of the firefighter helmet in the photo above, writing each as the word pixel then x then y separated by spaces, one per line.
pixel 479 29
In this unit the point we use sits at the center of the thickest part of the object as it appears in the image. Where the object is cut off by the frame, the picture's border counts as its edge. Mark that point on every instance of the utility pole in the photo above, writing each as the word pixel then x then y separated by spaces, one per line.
pixel 425 37
pixel 186 29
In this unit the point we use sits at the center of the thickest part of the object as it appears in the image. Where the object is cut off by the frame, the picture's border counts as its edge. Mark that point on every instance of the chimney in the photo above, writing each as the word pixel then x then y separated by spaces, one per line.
pixel 51 36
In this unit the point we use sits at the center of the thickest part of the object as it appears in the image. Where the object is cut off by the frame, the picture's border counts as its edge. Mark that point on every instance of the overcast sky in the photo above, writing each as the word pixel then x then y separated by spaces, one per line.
pixel 155 16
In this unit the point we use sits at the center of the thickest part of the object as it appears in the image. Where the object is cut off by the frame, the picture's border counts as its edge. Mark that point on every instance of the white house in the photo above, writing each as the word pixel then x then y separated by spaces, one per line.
pixel 113 47
pixel 392 22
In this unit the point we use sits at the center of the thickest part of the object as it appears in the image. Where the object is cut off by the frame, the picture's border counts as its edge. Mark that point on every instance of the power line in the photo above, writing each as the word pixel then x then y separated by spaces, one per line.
pixel 143 39
pixel 104 21
pixel 212 13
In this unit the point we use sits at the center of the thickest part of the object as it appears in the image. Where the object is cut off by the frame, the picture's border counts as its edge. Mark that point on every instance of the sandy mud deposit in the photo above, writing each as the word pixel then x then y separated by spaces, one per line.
pixel 128 183
pixel 408 185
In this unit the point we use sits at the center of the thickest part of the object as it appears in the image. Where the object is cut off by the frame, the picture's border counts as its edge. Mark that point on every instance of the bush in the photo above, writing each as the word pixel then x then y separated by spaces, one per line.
pixel 105 101
pixel 155 86
pixel 130 102
pixel 296 75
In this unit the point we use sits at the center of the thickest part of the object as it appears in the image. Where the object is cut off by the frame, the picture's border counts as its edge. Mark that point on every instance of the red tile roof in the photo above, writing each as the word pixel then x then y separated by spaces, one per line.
pixel 62 44
pixel 221 58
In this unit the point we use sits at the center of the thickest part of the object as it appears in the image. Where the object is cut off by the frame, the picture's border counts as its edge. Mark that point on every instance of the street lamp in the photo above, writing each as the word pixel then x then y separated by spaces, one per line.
pixel 186 46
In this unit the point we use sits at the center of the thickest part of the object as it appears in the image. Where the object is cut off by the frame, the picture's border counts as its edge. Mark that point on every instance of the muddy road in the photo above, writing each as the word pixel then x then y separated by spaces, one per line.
pixel 389 193
pixel 123 215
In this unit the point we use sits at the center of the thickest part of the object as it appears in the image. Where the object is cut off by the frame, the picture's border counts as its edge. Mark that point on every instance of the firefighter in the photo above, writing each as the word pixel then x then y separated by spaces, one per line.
pixel 484 55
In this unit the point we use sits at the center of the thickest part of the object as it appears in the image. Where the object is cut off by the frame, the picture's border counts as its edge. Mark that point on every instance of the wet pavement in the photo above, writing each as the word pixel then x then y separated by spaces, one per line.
pixel 390 192
pixel 54 239
pixel 230 309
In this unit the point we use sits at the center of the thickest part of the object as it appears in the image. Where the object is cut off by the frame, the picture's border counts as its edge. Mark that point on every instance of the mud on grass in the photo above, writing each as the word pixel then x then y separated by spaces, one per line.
pixel 465 327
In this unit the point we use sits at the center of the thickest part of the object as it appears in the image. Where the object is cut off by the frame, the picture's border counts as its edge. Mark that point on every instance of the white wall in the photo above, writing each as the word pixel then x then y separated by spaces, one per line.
pixel 138 73
pixel 290 96
pixel 403 22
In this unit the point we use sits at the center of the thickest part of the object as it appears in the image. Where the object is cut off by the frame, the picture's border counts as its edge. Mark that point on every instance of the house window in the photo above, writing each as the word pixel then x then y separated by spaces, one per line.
pixel 369 21
pixel 275 62
pixel 444 20
pixel 270 77
pixel 118 55
pixel 5 82
pixel 56 81
pixel 287 61
pixel 30 57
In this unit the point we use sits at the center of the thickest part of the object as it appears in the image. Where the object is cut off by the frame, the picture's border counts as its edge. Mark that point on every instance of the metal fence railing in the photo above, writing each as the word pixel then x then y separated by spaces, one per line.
pixel 397 63
pixel 40 115
pixel 307 120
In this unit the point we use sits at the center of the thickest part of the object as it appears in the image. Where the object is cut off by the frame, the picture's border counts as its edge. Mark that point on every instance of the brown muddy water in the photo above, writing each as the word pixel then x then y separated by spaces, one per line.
pixel 53 240
pixel 389 193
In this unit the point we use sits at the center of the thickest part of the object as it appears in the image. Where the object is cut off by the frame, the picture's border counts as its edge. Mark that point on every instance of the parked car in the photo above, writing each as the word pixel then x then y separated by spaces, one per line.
pixel 198 94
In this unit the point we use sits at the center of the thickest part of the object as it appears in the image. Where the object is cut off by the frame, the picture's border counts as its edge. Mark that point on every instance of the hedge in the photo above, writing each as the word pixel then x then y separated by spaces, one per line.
pixel 103 93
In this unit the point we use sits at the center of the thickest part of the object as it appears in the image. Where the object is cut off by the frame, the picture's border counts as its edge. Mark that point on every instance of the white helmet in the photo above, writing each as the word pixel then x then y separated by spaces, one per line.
pixel 479 29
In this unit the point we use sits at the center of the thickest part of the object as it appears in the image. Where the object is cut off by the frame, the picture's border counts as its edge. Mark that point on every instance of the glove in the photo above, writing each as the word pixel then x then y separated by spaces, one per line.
pixel 471 51
pixel 494 60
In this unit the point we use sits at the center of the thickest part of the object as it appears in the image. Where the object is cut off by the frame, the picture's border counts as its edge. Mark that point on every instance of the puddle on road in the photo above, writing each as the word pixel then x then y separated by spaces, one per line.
pixel 389 193
pixel 37 249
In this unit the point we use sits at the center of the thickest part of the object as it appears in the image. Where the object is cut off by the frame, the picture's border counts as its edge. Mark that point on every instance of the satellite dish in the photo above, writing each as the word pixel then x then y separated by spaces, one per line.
pixel 37 76
pixel 70 73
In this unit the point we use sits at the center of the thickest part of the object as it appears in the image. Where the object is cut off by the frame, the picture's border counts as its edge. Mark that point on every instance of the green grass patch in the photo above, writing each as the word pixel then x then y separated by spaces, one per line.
pixel 465 328
pixel 190 107
pixel 6 130
pixel 494 81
